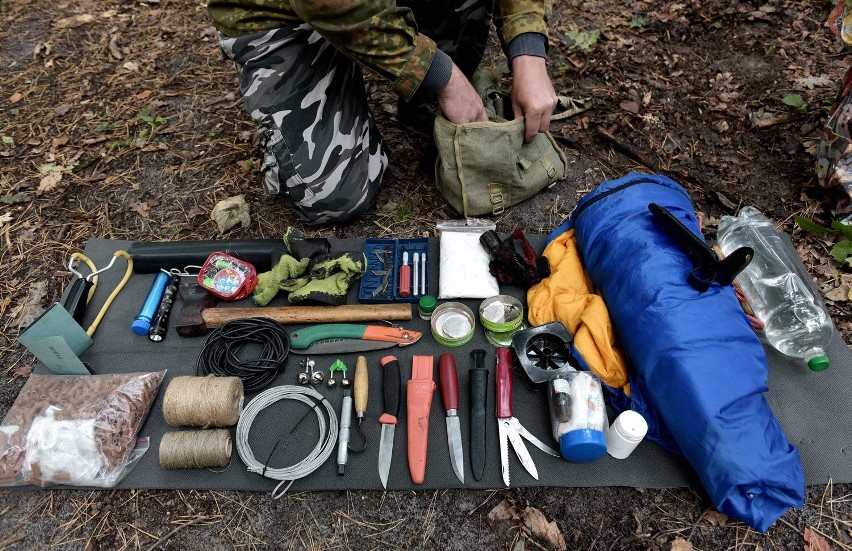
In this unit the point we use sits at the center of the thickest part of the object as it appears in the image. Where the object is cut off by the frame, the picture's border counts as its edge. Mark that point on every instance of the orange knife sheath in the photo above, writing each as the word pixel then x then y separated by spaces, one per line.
pixel 420 389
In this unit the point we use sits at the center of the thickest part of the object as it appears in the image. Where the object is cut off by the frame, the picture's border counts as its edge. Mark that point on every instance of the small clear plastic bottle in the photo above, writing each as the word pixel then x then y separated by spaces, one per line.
pixel 775 285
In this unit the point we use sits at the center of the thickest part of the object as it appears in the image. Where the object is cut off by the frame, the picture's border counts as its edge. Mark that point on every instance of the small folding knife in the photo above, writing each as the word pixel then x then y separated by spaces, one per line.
pixel 344 338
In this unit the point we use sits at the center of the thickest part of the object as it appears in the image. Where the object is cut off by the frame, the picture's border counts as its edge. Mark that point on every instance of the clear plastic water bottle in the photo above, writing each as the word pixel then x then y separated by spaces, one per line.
pixel 795 320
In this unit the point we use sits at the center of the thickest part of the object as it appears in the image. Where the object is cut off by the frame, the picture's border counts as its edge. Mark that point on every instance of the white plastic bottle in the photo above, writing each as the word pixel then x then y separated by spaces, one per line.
pixel 795 319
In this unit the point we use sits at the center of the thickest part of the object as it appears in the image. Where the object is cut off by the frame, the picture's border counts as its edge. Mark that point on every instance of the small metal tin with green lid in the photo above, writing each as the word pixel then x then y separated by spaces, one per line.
pixel 501 313
pixel 453 324
pixel 426 306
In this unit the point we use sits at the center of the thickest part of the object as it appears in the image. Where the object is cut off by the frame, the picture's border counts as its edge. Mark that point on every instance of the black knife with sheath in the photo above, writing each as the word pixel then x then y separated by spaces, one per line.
pixel 478 380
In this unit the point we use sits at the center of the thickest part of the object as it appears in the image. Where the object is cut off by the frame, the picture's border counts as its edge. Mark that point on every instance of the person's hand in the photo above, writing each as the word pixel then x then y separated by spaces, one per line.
pixel 459 102
pixel 532 94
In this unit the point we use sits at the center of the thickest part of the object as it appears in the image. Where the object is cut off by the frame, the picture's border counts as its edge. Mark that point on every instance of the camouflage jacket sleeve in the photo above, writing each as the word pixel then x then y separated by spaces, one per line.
pixel 523 16
pixel 378 34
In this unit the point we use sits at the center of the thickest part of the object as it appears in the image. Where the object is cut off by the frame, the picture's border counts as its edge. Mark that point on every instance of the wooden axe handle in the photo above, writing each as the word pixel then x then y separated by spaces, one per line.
pixel 217 317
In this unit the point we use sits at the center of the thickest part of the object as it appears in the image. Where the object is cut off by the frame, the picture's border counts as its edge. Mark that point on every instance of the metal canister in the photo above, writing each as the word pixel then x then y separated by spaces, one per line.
pixel 503 339
pixel 453 324
pixel 501 316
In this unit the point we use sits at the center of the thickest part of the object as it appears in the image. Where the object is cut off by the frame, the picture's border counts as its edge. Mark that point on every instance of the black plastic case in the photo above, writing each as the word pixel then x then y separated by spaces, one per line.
pixel 382 253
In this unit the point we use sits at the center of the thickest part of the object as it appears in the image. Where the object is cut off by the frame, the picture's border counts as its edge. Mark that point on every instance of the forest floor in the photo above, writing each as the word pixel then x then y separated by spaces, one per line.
pixel 121 120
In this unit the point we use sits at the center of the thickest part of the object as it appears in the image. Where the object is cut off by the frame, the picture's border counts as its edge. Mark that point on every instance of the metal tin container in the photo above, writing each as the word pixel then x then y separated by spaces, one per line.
pixel 453 324
pixel 501 314
pixel 503 339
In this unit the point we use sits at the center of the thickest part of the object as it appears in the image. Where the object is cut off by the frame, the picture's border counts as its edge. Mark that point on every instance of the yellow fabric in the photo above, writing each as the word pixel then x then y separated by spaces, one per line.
pixel 568 296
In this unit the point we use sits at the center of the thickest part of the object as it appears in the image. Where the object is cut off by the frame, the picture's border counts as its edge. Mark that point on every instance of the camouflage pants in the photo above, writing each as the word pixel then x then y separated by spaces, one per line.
pixel 322 149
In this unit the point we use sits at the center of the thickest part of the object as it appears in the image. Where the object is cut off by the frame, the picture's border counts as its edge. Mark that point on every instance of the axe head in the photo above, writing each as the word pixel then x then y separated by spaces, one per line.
pixel 190 321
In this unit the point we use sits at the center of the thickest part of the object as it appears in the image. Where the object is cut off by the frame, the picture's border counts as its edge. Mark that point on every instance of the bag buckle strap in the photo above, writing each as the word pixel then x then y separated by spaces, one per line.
pixel 548 166
pixel 495 190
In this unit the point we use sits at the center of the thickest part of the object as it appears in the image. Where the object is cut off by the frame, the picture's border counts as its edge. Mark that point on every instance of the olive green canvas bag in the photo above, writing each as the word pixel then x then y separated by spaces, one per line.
pixel 485 167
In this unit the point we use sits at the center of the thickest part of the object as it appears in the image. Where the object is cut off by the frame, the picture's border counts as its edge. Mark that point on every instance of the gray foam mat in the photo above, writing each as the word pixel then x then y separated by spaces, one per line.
pixel 811 407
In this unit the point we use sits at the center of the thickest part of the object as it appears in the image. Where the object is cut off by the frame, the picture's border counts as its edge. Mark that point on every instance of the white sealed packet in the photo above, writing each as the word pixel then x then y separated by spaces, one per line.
pixel 464 261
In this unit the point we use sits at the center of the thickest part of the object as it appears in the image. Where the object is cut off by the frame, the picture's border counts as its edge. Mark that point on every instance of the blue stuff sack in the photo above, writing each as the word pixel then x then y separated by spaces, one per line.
pixel 697 370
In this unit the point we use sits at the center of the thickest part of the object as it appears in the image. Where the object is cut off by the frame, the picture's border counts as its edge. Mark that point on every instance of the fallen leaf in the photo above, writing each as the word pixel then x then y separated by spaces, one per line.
pixel 246 166
pixel 638 530
pixel 6 218
pixel 230 212
pixel 142 208
pixel 63 109
pixel 31 308
pixel 74 21
pixel 143 94
pixel 195 211
pixel 630 107
pixel 159 146
pixel 16 97
pixel 389 207
pixel 810 83
pixel 767 120
pixel 49 182
pixel 839 294
pixel 20 197
pixel 114 49
pixel 548 532
pixel 715 518
pixel 680 544
pixel 131 66
pixel 23 371
pixel 59 141
pixel 815 542
pixel 503 511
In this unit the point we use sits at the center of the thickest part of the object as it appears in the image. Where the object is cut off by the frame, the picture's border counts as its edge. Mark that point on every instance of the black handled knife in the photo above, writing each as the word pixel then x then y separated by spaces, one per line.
pixel 478 398
pixel 391 391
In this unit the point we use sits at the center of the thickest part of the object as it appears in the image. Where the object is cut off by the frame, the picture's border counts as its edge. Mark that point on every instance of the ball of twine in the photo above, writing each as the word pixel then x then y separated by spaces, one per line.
pixel 203 401
pixel 195 449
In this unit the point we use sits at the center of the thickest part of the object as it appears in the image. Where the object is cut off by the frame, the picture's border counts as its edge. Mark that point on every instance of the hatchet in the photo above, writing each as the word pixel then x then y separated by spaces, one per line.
pixel 199 314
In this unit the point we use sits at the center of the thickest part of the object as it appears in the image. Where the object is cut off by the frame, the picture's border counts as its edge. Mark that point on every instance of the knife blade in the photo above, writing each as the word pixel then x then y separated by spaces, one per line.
pixel 478 381
pixel 520 448
pixel 533 439
pixel 504 450
pixel 450 400
pixel 391 392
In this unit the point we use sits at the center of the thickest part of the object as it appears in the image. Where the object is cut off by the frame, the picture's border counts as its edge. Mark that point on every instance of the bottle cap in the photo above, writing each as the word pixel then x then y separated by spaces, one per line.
pixel 626 432
pixel 582 446
pixel 426 306
pixel 141 326
pixel 819 363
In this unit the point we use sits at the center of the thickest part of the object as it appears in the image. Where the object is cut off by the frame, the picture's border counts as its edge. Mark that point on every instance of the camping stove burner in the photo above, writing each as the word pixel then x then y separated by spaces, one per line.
pixel 544 352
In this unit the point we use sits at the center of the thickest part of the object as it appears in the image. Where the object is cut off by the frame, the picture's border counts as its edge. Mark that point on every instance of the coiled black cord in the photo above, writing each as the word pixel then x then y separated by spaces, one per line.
pixel 221 353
